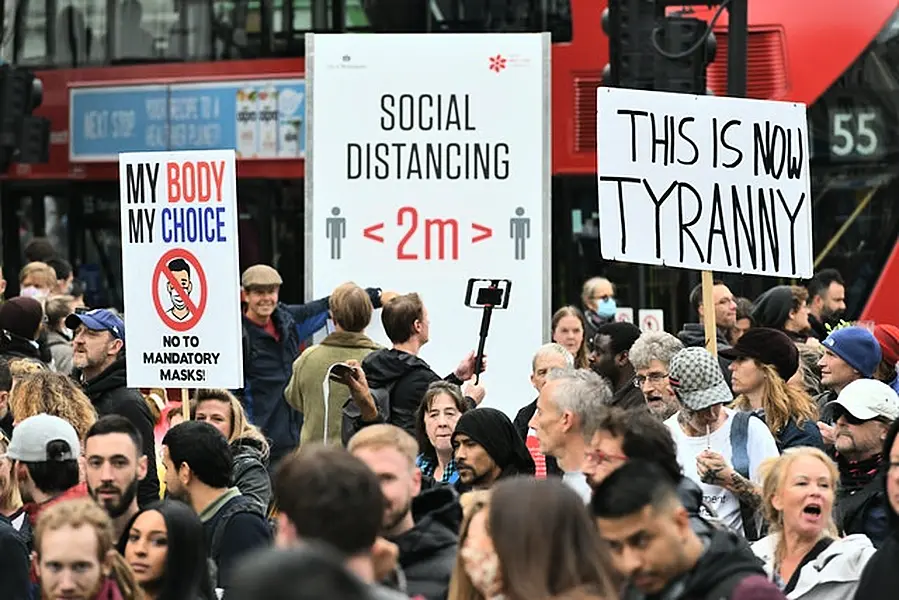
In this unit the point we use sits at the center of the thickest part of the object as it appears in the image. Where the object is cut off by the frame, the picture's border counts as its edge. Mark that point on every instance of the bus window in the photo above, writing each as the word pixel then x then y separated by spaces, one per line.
pixel 474 16
pixel 28 44
pixel 78 33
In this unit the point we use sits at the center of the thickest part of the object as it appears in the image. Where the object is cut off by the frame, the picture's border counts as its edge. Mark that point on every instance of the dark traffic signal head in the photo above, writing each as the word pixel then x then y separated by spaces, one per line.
pixel 23 137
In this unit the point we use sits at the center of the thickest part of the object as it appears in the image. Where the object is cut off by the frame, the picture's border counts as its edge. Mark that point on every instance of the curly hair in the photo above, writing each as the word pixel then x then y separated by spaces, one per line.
pixel 54 394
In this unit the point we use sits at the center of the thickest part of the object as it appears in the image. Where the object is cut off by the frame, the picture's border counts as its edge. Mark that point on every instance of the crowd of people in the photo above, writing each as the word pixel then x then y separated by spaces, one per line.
pixel 644 466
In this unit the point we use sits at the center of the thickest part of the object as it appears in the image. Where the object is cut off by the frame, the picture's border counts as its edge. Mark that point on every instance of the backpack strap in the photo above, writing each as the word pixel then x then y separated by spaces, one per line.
pixel 753 525
pixel 243 505
pixel 739 442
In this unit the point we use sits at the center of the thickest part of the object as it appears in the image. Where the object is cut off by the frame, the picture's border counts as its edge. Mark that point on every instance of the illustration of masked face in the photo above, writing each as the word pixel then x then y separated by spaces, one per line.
pixel 184 279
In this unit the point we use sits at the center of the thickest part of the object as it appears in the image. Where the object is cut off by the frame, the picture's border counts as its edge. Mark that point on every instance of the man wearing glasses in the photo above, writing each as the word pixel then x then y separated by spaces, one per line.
pixel 650 356
pixel 862 415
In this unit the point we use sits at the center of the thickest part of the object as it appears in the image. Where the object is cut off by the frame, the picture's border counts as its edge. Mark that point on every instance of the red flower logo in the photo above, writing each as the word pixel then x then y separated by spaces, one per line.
pixel 497 63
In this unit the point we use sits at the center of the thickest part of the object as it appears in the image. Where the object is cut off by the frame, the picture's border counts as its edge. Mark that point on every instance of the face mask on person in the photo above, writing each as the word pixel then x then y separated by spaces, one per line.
pixel 482 567
pixel 33 292
pixel 606 308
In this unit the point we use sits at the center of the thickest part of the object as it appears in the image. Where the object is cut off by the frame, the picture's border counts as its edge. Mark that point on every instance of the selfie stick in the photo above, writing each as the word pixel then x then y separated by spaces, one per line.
pixel 485 327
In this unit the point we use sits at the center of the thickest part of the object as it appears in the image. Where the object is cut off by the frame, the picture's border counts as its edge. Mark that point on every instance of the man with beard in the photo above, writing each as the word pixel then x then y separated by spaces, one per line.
pixel 487 448
pixel 99 355
pixel 657 553
pixel 826 301
pixel 115 466
pixel 650 356
pixel 610 358
pixel 198 465
pixel 862 415
pixel 423 525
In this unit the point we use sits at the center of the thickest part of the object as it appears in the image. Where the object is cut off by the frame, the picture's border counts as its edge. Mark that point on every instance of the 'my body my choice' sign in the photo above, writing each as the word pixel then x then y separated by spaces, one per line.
pixel 705 183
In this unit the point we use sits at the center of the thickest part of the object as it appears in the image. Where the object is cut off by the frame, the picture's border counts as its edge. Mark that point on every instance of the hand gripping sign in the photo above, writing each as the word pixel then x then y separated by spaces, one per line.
pixel 179 289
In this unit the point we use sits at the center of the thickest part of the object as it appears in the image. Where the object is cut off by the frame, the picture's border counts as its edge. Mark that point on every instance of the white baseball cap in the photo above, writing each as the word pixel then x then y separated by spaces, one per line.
pixel 31 438
pixel 867 399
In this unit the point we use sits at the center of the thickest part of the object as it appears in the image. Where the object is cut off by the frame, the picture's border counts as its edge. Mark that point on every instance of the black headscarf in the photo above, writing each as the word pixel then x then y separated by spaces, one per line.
pixel 493 430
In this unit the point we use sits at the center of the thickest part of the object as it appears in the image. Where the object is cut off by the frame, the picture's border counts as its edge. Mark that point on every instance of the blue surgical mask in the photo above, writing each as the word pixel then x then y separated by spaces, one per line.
pixel 606 308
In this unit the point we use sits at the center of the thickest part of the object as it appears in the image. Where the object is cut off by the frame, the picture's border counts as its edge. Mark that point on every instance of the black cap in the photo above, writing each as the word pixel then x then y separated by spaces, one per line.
pixel 767 346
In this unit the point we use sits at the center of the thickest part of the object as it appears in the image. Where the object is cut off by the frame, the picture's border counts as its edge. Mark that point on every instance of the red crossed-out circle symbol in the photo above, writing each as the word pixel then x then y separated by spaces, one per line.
pixel 162 272
pixel 650 323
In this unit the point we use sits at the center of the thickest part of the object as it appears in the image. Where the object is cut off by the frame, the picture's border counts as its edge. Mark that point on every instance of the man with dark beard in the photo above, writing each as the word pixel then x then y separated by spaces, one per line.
pixel 487 448
pixel 115 467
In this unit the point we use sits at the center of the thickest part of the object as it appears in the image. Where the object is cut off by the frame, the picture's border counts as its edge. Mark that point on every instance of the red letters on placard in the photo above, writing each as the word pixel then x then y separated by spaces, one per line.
pixel 199 181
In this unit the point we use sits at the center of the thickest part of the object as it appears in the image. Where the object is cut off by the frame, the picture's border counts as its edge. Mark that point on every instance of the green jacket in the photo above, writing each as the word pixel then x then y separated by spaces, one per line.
pixel 305 392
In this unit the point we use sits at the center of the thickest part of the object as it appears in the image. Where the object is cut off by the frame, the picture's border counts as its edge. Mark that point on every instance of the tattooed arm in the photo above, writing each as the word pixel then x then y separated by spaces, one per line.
pixel 748 492
pixel 714 470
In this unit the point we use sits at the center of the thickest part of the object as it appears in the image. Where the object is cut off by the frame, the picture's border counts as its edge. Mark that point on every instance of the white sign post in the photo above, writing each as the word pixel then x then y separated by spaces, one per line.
pixel 428 164
pixel 718 184
pixel 180 269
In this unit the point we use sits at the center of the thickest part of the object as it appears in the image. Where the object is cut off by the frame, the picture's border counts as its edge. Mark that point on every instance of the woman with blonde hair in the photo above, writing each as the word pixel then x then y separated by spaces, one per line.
pixel 763 361
pixel 569 329
pixel 221 409
pixel 507 554
pixel 58 528
pixel 44 391
pixel 802 553
pixel 11 506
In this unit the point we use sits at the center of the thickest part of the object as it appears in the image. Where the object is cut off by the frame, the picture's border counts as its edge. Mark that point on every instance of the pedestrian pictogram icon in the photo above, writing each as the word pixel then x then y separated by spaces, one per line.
pixel 179 289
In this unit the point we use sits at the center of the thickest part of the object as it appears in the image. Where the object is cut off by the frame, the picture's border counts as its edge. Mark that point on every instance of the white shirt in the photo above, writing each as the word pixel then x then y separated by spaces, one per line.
pixel 578 482
pixel 760 446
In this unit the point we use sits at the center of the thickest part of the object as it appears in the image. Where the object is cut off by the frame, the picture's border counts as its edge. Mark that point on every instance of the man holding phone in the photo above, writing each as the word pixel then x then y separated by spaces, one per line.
pixel 405 320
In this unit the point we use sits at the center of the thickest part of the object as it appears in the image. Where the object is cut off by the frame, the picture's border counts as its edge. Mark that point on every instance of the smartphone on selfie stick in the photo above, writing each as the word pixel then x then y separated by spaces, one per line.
pixel 488 295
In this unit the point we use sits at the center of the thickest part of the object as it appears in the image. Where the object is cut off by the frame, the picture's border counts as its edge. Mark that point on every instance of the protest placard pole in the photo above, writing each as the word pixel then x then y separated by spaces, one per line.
pixel 185 404
pixel 708 312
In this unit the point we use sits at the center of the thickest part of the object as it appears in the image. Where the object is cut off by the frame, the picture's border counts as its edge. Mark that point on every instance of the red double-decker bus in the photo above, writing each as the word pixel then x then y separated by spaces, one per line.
pixel 138 75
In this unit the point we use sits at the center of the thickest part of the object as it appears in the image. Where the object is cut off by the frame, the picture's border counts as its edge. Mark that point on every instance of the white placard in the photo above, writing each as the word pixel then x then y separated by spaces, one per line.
pixel 704 183
pixel 180 269
pixel 651 319
pixel 624 314
pixel 421 177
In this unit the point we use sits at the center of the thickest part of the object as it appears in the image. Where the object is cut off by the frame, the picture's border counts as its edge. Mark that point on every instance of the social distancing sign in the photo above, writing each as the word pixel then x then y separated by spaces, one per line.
pixel 180 268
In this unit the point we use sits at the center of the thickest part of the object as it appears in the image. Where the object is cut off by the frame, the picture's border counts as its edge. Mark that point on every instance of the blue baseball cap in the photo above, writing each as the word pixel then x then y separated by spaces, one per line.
pixel 99 319
pixel 857 346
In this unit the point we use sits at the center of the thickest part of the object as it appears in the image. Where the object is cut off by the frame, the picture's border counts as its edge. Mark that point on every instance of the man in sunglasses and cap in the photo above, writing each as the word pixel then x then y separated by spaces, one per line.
pixel 862 415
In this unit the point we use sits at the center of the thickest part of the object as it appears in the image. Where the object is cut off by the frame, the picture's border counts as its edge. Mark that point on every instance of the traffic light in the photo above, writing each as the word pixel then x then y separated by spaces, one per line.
pixel 684 48
pixel 629 25
pixel 23 137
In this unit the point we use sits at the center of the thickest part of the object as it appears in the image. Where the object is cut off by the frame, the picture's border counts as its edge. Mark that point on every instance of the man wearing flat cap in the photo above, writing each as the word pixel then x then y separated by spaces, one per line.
pixel 272 335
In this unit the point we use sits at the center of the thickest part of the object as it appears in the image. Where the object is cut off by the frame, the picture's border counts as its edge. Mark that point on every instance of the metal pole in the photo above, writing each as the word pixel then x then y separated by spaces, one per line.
pixel 737 47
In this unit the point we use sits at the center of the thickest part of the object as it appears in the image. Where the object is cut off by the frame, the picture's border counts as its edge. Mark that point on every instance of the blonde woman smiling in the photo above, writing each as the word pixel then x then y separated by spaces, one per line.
pixel 802 554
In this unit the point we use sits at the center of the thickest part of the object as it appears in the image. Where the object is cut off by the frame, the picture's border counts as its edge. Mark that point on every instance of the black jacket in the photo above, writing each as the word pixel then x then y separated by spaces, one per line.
pixel 880 579
pixel 412 376
pixel 268 365
pixel 110 396
pixel 521 421
pixel 428 550
pixel 693 335
pixel 629 397
pixel 249 471
pixel 726 562
pixel 15 573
